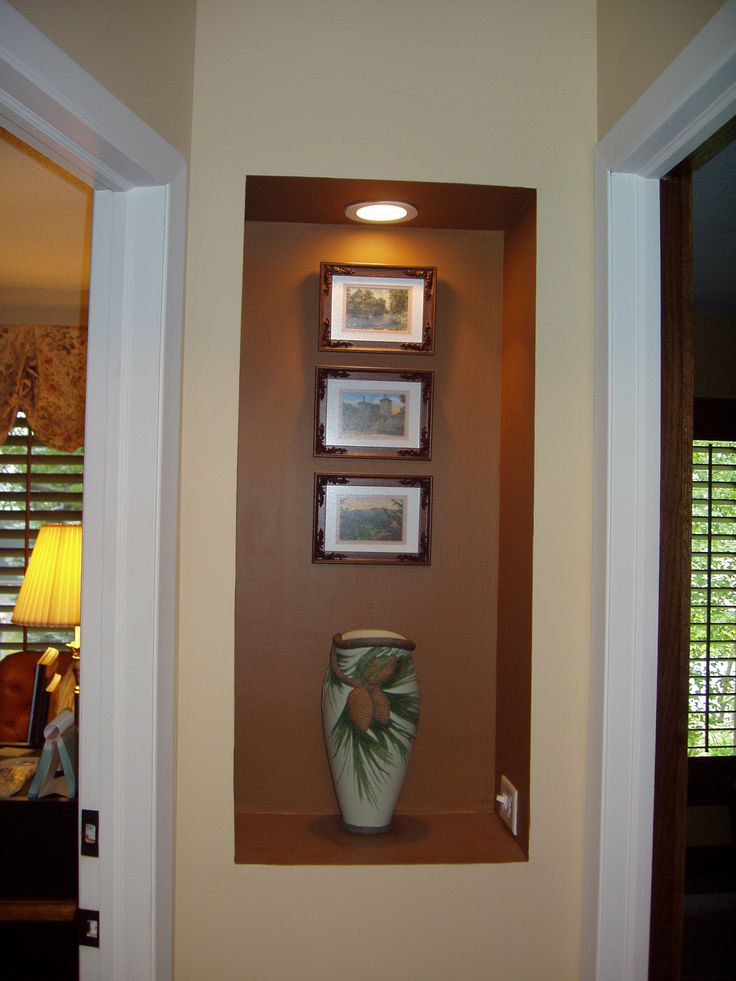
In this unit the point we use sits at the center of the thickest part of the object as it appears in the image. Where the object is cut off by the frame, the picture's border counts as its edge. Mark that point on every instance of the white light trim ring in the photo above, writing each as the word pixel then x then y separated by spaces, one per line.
pixel 382 212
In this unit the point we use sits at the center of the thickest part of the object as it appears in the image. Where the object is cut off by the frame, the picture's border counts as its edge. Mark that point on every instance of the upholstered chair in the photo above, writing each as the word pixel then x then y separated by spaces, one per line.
pixel 17 674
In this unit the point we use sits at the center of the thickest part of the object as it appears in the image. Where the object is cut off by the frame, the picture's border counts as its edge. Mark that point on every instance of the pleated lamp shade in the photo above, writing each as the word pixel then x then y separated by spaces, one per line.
pixel 50 594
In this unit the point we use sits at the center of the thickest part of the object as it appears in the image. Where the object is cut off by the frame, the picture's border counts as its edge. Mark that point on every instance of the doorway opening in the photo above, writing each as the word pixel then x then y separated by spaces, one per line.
pixel 131 483
pixel 694 880
pixel 45 249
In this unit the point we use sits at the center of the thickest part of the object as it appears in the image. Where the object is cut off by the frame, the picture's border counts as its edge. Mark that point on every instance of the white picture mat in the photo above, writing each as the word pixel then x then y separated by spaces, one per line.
pixel 414 333
pixel 337 387
pixel 336 493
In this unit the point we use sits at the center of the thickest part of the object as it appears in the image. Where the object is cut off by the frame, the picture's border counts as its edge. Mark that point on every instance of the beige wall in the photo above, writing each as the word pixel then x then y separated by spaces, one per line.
pixel 141 50
pixel 495 93
pixel 45 238
pixel 637 40
pixel 62 307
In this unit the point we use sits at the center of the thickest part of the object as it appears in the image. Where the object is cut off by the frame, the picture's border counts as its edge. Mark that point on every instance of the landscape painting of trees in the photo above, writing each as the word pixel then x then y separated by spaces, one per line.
pixel 376 308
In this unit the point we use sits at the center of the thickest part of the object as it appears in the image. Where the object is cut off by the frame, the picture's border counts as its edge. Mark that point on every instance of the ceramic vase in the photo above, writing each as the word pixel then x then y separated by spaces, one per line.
pixel 370 711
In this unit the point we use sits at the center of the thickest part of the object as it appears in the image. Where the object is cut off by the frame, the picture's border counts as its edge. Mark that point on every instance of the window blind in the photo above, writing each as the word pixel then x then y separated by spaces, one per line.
pixel 712 680
pixel 38 485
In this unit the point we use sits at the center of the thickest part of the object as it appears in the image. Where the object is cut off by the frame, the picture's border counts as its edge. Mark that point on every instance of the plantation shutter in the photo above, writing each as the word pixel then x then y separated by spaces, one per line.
pixel 38 485
pixel 712 691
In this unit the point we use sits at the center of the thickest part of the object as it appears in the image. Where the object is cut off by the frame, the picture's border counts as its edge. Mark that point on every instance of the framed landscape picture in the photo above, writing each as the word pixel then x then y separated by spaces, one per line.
pixel 372 520
pixel 373 413
pixel 377 308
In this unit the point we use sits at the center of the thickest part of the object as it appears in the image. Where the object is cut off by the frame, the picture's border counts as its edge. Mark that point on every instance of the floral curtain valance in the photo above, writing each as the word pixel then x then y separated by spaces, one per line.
pixel 43 372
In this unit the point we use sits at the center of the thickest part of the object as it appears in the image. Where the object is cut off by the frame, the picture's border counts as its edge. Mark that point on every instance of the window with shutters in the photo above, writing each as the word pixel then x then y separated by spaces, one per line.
pixel 38 485
pixel 712 691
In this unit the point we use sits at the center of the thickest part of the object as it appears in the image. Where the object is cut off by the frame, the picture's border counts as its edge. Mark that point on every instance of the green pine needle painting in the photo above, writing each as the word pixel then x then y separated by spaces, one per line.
pixel 371 740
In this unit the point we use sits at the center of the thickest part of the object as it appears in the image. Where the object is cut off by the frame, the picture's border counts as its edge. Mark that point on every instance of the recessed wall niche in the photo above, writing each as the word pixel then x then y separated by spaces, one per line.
pixel 469 612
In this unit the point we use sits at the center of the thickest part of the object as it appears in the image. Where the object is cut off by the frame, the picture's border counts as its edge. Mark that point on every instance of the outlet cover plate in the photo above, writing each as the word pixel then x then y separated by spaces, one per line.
pixel 509 805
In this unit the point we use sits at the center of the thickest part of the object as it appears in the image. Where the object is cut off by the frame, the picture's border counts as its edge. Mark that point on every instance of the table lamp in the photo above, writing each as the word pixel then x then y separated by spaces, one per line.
pixel 50 593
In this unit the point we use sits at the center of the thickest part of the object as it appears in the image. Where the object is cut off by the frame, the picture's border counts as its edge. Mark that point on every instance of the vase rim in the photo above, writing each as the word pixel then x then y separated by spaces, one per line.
pixel 372 638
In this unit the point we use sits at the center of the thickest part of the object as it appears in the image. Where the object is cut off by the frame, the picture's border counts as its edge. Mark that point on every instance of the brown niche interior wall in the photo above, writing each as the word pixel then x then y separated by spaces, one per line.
pixel 287 609
pixel 513 664
pixel 483 470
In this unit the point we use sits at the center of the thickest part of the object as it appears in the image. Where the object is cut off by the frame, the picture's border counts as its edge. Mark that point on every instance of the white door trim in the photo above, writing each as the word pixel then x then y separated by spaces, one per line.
pixel 686 105
pixel 131 487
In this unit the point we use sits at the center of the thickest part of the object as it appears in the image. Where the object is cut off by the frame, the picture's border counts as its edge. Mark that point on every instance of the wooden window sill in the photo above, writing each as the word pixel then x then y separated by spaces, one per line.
pixel 416 839
pixel 37 910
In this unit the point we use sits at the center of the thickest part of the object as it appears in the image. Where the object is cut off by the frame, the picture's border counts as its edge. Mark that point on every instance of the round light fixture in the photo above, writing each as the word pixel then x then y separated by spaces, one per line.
pixel 382 212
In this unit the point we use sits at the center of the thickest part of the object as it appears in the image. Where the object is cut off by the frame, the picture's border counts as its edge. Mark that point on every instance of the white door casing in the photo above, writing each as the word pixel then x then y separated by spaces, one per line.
pixel 130 487
pixel 692 99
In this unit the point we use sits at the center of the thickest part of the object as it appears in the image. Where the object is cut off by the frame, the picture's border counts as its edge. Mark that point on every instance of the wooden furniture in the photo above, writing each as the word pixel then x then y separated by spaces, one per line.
pixel 38 888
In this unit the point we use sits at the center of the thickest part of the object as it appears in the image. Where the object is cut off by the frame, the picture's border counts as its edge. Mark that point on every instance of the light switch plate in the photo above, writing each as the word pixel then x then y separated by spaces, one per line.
pixel 508 801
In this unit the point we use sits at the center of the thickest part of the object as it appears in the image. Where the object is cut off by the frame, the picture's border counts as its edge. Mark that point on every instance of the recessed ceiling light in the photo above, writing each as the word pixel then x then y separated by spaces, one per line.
pixel 381 211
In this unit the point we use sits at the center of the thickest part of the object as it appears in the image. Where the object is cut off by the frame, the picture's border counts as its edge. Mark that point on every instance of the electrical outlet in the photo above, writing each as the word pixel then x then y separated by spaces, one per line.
pixel 508 800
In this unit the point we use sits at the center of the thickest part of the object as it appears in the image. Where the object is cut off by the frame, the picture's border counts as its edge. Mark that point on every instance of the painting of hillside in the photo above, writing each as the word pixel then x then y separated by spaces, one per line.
pixel 372 519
